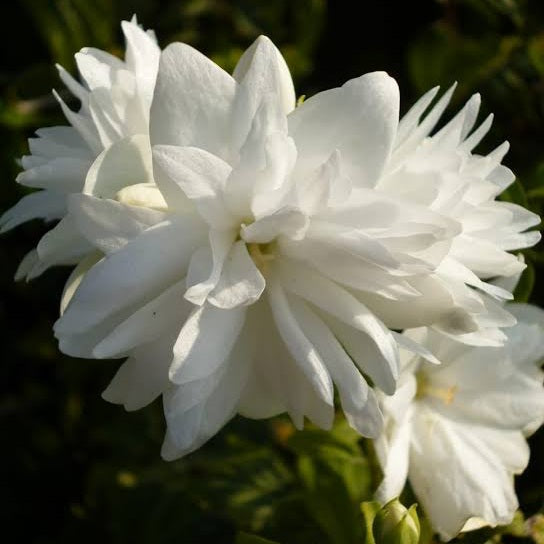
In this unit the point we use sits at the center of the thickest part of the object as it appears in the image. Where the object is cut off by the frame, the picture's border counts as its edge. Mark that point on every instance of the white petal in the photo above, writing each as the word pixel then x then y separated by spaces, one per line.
pixel 484 258
pixel 145 266
pixel 286 87
pixel 262 72
pixel 423 129
pixel 434 303
pixel 476 137
pixel 339 303
pixel 106 119
pixel 192 101
pixel 125 163
pixel 63 244
pixel 142 377
pixel 289 221
pixel 241 283
pixel 366 355
pixel 207 264
pixel 96 67
pixel 358 400
pixel 146 324
pixel 394 455
pixel 276 383
pixel 109 225
pixel 55 142
pixel 198 175
pixel 455 269
pixel 82 124
pixel 354 242
pixel 326 187
pixel 142 57
pixel 301 349
pixel 75 278
pixel 467 478
pixel 46 205
pixel 347 269
pixel 78 90
pixel 405 342
pixel 196 411
pixel 361 119
pixel 261 176
pixel 411 118
pixel 205 342
pixel 62 175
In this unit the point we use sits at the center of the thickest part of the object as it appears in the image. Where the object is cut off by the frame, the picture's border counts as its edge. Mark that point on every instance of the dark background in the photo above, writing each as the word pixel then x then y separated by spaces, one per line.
pixel 77 469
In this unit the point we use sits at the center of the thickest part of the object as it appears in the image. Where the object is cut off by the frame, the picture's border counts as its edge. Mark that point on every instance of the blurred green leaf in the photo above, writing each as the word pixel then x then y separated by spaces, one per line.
pixel 526 284
pixel 369 510
pixel 536 52
pixel 245 538
pixel 336 479
pixel 443 56
pixel 515 193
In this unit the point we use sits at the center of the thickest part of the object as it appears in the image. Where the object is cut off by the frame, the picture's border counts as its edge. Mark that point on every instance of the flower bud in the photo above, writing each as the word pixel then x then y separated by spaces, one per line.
pixel 394 524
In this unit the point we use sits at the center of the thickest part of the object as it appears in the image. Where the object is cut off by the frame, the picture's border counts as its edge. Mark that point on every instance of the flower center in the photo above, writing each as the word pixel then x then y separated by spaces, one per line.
pixel 426 389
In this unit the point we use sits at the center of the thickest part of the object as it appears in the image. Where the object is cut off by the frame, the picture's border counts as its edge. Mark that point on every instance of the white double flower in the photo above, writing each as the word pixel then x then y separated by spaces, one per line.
pixel 248 255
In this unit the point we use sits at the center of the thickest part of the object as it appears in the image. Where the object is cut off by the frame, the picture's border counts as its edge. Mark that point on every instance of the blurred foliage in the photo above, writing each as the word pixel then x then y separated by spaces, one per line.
pixel 76 469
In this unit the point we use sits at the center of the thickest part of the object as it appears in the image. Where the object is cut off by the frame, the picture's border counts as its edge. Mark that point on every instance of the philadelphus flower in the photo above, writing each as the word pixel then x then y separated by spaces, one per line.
pixel 283 254
pixel 457 430
pixel 115 99
pixel 441 173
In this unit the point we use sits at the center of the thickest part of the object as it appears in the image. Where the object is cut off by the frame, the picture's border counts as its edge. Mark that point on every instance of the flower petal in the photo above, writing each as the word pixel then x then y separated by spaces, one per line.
pixel 301 349
pixel 261 72
pixel 142 58
pixel 46 205
pixel 394 455
pixel 289 221
pixel 241 283
pixel 468 477
pixel 358 400
pixel 145 266
pixel 261 48
pixel 107 224
pixel 336 301
pixel 124 163
pixel 205 342
pixel 198 176
pixel 361 119
pixel 142 377
pixel 207 264
pixel 192 101
pixel 146 324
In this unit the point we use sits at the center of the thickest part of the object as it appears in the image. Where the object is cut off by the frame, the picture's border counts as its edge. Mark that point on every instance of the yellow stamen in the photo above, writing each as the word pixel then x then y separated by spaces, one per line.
pixel 426 389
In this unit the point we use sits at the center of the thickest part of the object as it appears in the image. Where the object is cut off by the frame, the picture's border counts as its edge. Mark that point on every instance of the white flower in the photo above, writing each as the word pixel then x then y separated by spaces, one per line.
pixel 105 148
pixel 457 430
pixel 276 236
pixel 441 173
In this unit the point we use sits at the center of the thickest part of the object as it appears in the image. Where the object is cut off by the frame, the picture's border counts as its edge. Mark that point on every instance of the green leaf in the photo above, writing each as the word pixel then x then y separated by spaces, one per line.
pixel 247 482
pixel 515 193
pixel 246 538
pixel 335 477
pixel 526 284
pixel 442 56
pixel 535 51
pixel 369 510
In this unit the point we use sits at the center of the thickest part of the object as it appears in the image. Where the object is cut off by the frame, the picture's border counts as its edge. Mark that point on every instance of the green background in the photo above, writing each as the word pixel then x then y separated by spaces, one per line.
pixel 77 469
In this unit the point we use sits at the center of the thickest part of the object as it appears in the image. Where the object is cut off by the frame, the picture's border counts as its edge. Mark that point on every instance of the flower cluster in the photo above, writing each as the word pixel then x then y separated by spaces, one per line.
pixel 246 254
